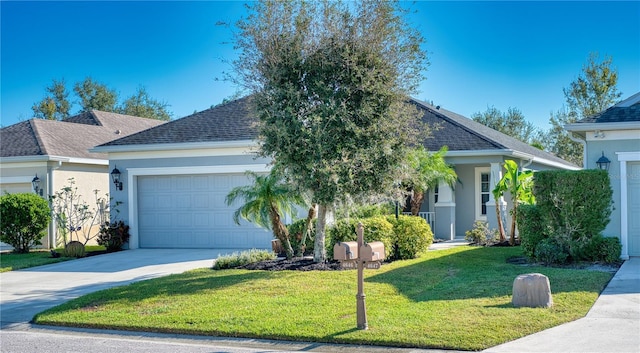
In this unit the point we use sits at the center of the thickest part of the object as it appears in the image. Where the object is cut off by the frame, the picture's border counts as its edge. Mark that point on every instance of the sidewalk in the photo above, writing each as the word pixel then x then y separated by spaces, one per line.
pixel 612 325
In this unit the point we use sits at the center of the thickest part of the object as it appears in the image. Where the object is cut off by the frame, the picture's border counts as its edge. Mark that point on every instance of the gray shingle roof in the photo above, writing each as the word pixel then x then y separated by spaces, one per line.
pixel 231 121
pixel 72 137
pixel 463 134
pixel 626 111
pixel 235 121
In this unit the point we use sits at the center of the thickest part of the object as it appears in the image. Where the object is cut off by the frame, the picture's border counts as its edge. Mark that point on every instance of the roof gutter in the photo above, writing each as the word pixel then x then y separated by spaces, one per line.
pixel 602 126
pixel 174 146
pixel 511 153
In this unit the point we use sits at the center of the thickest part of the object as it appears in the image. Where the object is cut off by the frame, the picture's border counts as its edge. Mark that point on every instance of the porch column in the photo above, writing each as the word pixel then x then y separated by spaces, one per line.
pixel 445 210
pixel 492 220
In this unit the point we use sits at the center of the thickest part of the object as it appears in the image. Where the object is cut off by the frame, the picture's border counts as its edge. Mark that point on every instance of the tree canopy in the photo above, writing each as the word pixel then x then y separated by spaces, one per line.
pixel 512 123
pixel 592 92
pixel 331 82
pixel 91 95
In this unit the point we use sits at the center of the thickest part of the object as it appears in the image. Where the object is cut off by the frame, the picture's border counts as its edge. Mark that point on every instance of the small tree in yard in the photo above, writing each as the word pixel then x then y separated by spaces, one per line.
pixel 331 81
pixel 520 186
pixel 265 202
pixel 426 170
pixel 74 217
pixel 24 218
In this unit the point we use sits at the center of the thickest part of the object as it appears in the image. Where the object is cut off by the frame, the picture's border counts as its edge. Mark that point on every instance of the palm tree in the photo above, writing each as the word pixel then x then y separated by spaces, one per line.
pixel 426 171
pixel 265 201
pixel 520 186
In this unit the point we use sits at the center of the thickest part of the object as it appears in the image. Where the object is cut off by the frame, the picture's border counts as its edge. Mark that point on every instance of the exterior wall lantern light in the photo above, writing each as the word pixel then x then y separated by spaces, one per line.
pixel 603 162
pixel 35 183
pixel 115 176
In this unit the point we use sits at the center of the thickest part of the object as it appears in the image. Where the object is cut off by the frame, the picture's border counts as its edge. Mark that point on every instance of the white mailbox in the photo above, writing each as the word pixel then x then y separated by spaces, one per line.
pixel 373 251
pixel 347 250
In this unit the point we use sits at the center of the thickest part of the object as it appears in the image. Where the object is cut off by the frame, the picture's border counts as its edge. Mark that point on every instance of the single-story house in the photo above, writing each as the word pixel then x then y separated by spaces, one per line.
pixel 611 141
pixel 176 176
pixel 51 152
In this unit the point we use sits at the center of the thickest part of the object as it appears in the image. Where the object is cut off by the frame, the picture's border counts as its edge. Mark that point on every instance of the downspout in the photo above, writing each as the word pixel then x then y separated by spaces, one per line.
pixel 52 224
pixel 584 148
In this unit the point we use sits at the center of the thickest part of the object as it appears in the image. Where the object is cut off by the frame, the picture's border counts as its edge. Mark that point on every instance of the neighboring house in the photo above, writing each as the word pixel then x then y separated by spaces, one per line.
pixel 614 135
pixel 176 176
pixel 55 151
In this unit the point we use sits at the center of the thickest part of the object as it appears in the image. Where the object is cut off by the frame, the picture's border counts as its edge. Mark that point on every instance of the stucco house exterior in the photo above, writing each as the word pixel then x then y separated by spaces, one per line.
pixel 54 151
pixel 614 135
pixel 176 176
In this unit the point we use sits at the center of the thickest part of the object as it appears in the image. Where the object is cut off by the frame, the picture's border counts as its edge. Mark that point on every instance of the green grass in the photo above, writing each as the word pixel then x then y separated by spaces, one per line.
pixel 12 262
pixel 451 299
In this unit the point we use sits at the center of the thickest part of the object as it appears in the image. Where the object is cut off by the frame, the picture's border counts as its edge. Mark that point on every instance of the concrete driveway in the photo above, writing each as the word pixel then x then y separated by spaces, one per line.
pixel 25 293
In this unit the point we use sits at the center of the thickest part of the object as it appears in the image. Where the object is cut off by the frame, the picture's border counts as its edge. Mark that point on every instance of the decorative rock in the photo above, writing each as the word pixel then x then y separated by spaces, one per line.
pixel 532 290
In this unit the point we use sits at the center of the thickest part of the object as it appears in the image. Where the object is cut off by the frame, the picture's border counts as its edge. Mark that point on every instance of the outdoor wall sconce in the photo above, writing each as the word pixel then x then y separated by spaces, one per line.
pixel 603 162
pixel 35 183
pixel 115 176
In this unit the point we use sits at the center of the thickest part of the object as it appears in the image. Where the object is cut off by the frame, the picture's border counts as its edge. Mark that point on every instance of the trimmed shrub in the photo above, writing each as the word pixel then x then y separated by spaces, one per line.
pixel 239 259
pixel 24 219
pixel 375 229
pixel 605 249
pixel 531 229
pixel 113 235
pixel 550 252
pixel 481 234
pixel 296 232
pixel 577 204
pixel 412 236
pixel 74 249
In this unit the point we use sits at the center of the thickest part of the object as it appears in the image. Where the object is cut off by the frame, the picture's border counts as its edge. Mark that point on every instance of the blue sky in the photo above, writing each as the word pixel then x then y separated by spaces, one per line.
pixel 502 54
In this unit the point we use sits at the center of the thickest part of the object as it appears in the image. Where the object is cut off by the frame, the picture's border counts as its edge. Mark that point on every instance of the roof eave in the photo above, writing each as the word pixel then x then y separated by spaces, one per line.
pixel 512 153
pixel 580 127
pixel 174 146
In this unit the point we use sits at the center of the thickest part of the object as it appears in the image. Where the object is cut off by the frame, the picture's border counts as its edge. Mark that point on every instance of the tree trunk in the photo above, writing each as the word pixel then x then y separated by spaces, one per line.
pixel 416 202
pixel 512 239
pixel 319 253
pixel 307 230
pixel 281 232
pixel 499 218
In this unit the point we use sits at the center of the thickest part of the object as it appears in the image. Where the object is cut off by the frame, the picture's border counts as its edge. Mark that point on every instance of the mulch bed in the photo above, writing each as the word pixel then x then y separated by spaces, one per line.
pixel 297 264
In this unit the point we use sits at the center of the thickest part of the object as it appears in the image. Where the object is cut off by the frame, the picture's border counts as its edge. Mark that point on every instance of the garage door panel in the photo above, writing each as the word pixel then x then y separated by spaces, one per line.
pixel 189 211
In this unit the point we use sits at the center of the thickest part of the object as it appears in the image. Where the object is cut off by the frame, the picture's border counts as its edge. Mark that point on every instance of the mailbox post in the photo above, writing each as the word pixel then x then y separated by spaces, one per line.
pixel 358 254
pixel 361 309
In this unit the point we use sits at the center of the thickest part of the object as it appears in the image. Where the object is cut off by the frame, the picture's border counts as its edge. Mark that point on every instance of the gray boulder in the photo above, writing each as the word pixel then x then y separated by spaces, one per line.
pixel 532 290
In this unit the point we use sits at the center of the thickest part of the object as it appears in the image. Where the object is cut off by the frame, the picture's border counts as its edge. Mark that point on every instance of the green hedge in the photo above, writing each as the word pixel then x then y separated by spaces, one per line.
pixel 375 229
pixel 531 229
pixel 412 235
pixel 24 218
pixel 572 209
pixel 575 203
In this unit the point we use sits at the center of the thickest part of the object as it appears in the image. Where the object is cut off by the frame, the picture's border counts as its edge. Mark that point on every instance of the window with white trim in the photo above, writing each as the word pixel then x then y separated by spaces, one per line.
pixel 483 192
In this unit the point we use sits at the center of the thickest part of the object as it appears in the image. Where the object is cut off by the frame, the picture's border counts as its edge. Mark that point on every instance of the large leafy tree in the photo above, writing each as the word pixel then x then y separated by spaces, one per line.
pixel 95 95
pixel 265 202
pixel 512 123
pixel 330 83
pixel 427 170
pixel 55 105
pixel 142 105
pixel 592 92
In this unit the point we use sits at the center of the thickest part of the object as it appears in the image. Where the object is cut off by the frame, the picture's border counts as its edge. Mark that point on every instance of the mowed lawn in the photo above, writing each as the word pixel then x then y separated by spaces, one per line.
pixel 454 299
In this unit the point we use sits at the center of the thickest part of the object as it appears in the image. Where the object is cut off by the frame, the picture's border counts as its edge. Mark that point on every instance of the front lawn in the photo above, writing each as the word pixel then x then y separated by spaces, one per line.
pixel 451 299
pixel 11 262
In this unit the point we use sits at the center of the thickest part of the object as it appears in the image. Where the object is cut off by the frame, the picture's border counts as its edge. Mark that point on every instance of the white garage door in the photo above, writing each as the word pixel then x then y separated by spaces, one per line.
pixel 633 188
pixel 189 211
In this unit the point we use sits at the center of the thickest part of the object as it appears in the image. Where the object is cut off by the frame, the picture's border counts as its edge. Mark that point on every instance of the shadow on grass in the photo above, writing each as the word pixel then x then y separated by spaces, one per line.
pixel 478 273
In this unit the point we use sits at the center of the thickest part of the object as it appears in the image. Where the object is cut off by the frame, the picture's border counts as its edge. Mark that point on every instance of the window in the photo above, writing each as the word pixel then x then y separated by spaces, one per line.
pixel 435 194
pixel 483 192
